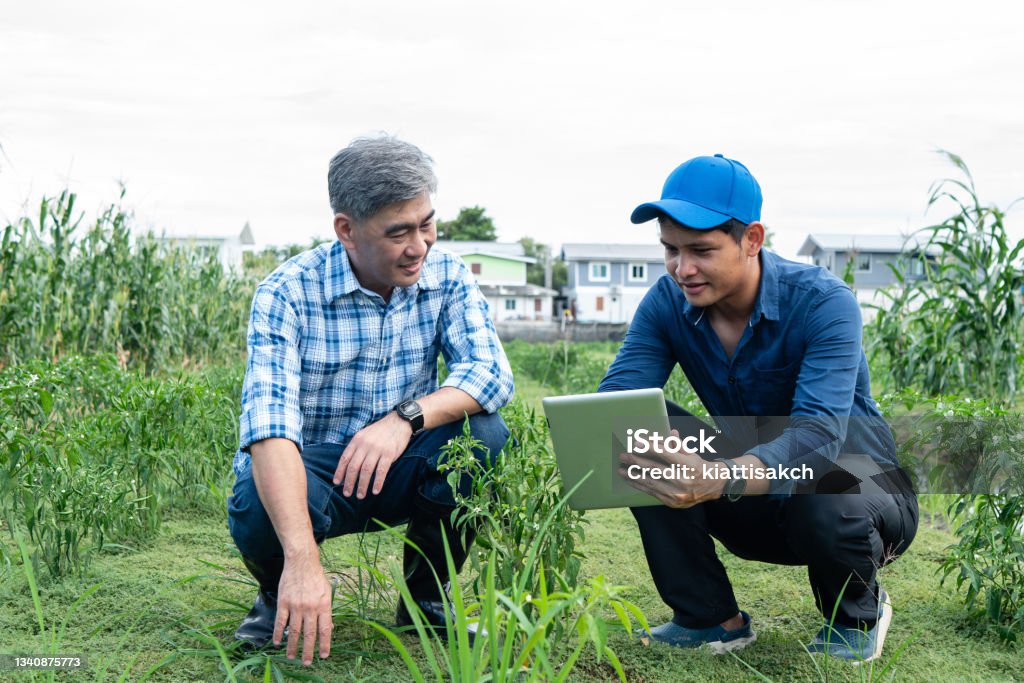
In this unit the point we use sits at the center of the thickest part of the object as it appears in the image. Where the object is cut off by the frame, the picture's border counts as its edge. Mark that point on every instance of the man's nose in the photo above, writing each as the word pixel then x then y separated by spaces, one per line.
pixel 418 245
pixel 685 267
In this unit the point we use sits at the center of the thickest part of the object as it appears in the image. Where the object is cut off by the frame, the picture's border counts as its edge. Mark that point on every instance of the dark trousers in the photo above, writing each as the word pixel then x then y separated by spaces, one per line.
pixel 842 539
pixel 413 474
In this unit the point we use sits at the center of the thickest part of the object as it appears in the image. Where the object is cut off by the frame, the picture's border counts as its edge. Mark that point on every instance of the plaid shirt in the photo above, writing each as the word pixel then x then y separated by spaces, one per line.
pixel 327 357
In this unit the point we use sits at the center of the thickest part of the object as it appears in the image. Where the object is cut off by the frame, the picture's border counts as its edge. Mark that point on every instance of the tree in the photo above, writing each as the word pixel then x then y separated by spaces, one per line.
pixel 472 223
pixel 535 271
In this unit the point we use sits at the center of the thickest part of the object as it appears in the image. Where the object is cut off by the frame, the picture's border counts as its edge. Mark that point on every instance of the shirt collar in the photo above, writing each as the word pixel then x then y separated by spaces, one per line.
pixel 767 303
pixel 340 279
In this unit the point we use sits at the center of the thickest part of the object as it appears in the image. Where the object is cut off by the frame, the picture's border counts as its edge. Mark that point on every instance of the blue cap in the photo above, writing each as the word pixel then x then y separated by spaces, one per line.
pixel 704 192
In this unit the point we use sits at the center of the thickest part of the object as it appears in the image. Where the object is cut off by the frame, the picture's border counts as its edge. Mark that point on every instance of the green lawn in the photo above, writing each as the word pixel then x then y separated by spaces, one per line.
pixel 151 600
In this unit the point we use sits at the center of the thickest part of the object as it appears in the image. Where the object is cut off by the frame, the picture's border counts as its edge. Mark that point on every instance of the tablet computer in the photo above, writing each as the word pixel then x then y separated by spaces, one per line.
pixel 589 432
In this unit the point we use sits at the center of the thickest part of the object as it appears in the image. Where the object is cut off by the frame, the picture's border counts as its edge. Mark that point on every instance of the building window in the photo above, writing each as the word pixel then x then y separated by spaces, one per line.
pixel 510 304
pixel 600 271
pixel 536 306
pixel 475 268
pixel 599 304
pixel 637 272
pixel 863 263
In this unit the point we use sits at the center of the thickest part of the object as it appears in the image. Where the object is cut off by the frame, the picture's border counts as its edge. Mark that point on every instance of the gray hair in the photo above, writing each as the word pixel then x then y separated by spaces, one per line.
pixel 373 172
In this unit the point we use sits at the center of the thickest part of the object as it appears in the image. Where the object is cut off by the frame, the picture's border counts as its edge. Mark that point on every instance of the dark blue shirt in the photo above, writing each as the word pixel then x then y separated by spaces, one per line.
pixel 800 356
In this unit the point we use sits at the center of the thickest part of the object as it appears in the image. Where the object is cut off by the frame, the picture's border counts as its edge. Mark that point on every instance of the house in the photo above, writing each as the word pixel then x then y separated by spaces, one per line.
pixel 500 271
pixel 229 247
pixel 872 256
pixel 607 281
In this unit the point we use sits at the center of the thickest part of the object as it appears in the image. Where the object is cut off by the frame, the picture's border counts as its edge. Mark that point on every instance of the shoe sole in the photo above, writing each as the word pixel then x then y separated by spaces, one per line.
pixel 883 627
pixel 719 647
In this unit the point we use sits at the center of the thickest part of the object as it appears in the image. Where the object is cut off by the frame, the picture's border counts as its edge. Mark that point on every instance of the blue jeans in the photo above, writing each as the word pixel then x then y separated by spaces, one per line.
pixel 332 514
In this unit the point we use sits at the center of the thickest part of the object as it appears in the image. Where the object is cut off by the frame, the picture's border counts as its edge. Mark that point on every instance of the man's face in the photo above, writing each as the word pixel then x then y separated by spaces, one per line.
pixel 387 250
pixel 707 265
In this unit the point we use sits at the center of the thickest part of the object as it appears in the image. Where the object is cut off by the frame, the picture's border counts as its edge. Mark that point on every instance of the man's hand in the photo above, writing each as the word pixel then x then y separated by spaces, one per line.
pixel 372 450
pixel 687 491
pixel 304 607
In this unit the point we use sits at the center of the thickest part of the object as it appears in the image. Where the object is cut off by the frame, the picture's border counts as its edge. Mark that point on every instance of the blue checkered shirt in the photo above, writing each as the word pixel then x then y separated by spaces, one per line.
pixel 328 357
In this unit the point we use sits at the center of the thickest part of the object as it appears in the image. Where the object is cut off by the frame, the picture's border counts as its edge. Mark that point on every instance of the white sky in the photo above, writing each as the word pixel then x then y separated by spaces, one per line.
pixel 557 117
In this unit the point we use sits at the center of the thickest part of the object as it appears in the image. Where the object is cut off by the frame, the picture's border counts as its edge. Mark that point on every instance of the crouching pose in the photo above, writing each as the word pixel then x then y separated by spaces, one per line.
pixel 342 418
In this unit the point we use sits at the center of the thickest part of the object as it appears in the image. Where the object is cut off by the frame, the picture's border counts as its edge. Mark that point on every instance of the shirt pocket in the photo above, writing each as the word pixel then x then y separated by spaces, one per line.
pixel 769 391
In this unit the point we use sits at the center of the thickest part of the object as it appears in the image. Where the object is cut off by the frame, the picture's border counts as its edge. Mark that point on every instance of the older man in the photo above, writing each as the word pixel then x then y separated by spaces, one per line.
pixel 342 418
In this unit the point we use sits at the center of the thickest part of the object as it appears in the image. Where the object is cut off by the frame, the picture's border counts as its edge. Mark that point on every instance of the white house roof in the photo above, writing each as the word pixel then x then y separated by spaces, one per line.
pixel 512 251
pixel 890 244
pixel 584 251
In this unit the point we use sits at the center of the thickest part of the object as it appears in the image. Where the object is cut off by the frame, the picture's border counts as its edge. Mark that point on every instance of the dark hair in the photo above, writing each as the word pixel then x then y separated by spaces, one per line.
pixel 734 228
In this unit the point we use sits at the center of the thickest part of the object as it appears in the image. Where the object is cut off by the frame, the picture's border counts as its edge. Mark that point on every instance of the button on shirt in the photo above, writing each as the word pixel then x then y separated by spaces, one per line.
pixel 800 355
pixel 328 357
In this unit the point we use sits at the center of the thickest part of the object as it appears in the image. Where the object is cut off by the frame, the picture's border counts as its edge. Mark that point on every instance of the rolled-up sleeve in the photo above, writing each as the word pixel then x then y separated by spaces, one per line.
pixel 270 393
pixel 472 351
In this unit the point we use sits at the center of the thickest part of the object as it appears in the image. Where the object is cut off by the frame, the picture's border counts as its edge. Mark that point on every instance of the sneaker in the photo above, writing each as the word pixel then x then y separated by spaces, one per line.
pixel 855 645
pixel 716 638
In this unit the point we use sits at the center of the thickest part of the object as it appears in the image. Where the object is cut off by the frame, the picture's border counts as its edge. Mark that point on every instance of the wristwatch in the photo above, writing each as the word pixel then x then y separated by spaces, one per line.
pixel 411 412
pixel 734 486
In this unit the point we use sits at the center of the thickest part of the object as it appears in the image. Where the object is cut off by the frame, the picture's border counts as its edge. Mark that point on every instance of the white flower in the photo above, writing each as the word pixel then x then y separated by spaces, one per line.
pixel 948 413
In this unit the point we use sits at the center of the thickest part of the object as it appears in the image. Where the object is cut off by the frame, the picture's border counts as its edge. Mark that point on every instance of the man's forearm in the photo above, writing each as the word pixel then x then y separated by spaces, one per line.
pixel 445 405
pixel 280 479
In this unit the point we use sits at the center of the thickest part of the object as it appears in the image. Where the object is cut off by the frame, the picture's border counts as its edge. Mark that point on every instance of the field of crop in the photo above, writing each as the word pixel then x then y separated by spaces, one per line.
pixel 120 371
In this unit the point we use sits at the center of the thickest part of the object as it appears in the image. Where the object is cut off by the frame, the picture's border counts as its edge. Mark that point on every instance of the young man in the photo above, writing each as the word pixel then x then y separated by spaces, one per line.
pixel 342 418
pixel 763 337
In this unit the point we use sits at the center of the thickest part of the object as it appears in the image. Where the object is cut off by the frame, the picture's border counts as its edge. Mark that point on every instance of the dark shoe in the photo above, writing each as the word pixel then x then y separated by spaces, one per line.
pixel 426 570
pixel 855 645
pixel 257 628
pixel 716 638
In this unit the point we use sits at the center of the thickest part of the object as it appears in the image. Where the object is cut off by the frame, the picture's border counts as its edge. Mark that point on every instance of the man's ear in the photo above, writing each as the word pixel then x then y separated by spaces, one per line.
pixel 753 239
pixel 343 227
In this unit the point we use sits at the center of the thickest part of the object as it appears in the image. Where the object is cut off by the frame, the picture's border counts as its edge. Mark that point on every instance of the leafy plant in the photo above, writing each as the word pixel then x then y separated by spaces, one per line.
pixel 959 328
pixel 510 503
pixel 517 638
pixel 989 559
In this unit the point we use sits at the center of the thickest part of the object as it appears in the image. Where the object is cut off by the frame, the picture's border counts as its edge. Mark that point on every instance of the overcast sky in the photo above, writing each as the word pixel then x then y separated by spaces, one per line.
pixel 557 117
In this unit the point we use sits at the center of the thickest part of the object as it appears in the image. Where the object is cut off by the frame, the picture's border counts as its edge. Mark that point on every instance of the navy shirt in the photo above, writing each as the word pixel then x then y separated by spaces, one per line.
pixel 800 356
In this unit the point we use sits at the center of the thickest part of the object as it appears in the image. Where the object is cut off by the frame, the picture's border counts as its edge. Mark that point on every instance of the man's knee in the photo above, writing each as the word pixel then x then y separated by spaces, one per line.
pixel 837 526
pixel 492 433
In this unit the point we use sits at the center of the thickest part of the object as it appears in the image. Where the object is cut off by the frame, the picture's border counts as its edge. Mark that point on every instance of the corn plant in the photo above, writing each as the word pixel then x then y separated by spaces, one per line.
pixel 67 287
pixel 959 329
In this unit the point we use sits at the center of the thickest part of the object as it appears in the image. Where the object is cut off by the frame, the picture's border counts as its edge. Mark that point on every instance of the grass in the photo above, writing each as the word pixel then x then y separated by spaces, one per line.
pixel 151 600
pixel 142 606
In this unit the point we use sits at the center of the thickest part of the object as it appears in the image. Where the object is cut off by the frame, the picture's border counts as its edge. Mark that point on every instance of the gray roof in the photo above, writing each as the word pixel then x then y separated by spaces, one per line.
pixel 505 250
pixel 843 242
pixel 516 290
pixel 583 251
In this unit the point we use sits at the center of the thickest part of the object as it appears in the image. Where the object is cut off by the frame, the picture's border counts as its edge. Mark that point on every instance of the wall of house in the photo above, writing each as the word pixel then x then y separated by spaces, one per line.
pixel 524 308
pixel 619 273
pixel 496 271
